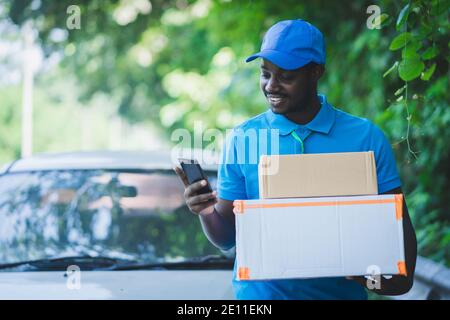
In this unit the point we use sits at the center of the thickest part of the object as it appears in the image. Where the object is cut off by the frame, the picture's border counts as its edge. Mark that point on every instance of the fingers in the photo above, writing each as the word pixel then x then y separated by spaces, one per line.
pixel 181 174
pixel 199 204
pixel 205 207
pixel 191 190
pixel 201 199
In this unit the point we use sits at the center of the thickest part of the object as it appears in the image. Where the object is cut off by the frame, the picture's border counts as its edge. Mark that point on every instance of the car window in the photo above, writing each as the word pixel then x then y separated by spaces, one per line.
pixel 124 214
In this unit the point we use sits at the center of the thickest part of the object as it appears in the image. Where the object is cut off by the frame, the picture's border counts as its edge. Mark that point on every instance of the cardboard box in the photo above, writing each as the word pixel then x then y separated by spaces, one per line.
pixel 314 175
pixel 319 237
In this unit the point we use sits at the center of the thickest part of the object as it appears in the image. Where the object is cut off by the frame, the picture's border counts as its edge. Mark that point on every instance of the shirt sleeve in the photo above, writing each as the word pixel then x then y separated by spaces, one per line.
pixel 231 180
pixel 387 174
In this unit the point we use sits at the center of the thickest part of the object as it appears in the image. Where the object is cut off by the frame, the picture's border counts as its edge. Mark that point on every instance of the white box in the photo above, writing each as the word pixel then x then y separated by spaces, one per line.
pixel 319 237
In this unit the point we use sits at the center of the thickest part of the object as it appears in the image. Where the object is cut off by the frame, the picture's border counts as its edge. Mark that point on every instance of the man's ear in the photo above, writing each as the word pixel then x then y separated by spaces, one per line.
pixel 318 71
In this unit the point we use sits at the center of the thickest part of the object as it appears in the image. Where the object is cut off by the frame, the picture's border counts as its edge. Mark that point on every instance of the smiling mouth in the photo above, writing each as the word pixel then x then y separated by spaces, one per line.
pixel 275 99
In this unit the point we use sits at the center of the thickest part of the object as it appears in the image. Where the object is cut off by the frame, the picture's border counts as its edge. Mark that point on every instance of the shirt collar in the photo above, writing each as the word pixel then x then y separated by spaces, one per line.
pixel 322 122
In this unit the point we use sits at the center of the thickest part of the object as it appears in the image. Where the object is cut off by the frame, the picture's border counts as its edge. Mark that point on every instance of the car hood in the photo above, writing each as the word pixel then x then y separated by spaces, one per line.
pixel 142 284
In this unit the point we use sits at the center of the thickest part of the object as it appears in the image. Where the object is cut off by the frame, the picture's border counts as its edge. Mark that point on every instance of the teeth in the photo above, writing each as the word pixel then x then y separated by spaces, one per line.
pixel 275 99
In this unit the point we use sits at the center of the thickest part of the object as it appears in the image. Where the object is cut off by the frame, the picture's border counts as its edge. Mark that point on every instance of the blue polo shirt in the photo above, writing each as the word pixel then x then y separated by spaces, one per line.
pixel 331 130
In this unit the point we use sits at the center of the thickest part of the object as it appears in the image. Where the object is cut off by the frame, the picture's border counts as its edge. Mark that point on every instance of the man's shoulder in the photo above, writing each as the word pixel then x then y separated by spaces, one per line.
pixel 345 118
pixel 359 125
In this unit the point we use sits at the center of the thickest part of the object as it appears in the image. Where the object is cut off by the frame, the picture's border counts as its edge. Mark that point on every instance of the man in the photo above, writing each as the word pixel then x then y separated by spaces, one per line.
pixel 293 59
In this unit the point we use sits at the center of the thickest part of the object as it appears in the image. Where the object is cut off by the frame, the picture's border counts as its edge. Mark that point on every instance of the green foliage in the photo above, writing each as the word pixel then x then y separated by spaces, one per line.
pixel 410 68
pixel 400 41
pixel 423 102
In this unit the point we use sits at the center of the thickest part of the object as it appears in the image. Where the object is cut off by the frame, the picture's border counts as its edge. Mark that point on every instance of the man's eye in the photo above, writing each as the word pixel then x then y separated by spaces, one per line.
pixel 287 77
pixel 265 75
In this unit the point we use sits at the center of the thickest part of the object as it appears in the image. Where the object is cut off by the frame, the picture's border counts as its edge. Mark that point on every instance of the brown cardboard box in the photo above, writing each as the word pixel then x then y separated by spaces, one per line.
pixel 313 175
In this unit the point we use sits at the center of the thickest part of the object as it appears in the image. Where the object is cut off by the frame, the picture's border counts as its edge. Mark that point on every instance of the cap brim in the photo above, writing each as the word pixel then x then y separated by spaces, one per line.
pixel 280 59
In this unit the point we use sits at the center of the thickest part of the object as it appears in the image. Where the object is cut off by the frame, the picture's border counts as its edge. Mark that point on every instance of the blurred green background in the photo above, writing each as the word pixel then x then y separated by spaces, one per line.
pixel 136 70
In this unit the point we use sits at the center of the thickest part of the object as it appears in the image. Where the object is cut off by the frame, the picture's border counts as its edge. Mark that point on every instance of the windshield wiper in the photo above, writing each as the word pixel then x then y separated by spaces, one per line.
pixel 85 263
pixel 211 262
pixel 100 263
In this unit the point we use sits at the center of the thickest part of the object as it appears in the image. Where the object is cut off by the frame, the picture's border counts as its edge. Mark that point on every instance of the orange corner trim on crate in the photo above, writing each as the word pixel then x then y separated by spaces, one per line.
pixel 398 206
pixel 243 273
pixel 238 206
pixel 401 266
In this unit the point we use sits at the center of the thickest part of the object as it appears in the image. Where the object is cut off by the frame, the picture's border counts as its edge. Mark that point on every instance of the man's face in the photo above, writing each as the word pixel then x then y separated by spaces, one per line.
pixel 287 90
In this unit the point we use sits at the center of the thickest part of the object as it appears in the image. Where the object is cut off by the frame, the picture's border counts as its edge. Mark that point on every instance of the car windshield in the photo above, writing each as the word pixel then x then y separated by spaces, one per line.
pixel 121 214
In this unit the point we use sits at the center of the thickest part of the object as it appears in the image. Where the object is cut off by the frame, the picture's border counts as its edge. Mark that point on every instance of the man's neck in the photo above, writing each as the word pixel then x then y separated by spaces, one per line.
pixel 307 112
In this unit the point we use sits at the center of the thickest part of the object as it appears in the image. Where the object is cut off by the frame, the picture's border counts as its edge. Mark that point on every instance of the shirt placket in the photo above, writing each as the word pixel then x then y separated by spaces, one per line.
pixel 299 135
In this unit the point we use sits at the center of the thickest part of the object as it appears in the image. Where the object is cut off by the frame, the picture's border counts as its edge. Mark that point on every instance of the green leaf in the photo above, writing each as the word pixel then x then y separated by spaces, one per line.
pixel 425 76
pixel 430 53
pixel 403 16
pixel 395 65
pixel 400 41
pixel 384 19
pixel 410 50
pixel 410 69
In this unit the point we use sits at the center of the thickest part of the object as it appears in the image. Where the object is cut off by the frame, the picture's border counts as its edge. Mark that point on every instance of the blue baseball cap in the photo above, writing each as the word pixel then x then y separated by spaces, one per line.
pixel 291 44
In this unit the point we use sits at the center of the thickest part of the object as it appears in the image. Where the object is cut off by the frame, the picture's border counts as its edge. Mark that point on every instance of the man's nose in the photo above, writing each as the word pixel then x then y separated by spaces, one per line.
pixel 272 85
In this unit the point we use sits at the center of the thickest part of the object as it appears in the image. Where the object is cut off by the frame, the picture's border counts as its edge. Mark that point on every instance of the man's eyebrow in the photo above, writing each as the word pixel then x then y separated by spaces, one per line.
pixel 283 71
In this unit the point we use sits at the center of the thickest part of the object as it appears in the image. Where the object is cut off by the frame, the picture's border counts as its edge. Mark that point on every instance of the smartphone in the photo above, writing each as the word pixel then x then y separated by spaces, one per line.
pixel 195 173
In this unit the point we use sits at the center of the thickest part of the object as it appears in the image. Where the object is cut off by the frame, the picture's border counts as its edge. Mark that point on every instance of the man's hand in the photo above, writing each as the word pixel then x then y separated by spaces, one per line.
pixel 218 223
pixel 199 204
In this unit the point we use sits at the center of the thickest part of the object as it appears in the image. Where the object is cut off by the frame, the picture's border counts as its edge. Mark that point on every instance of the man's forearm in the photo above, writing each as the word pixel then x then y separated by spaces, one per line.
pixel 219 230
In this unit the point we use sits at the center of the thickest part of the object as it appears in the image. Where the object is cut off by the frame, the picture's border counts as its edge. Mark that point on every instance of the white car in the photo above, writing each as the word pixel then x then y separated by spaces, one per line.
pixel 104 225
